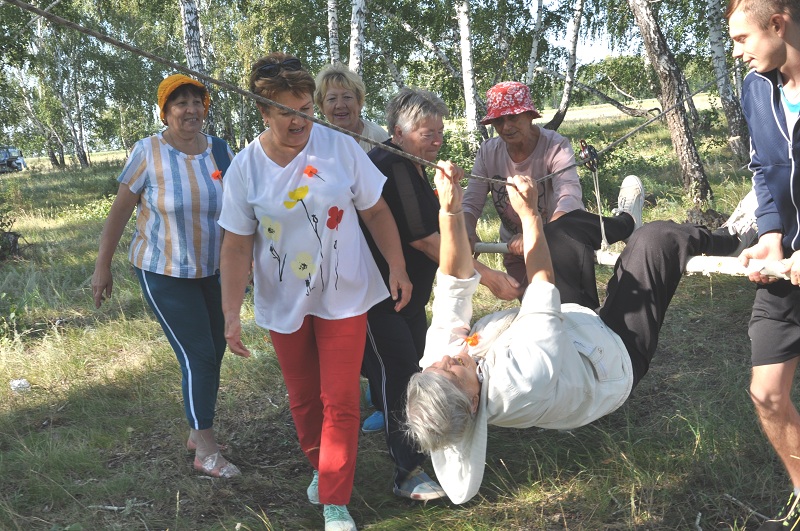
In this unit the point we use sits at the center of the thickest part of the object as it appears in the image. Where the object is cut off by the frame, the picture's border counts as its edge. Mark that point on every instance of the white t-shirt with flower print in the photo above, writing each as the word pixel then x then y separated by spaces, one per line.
pixel 310 255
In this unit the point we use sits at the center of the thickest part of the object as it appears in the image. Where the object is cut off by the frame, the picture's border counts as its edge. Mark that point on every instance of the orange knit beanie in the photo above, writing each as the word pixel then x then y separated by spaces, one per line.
pixel 174 82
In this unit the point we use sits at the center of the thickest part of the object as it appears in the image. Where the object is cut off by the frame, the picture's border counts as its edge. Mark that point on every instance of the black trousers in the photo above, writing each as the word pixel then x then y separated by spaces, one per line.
pixel 573 238
pixel 395 344
pixel 645 278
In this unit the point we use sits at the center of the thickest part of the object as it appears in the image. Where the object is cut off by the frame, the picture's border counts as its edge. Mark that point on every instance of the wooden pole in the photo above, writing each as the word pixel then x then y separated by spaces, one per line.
pixel 706 265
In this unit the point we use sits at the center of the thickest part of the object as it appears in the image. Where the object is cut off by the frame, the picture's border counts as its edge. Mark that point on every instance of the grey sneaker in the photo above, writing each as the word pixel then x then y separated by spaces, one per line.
pixel 419 486
pixel 631 199
pixel 743 219
pixel 313 489
pixel 338 519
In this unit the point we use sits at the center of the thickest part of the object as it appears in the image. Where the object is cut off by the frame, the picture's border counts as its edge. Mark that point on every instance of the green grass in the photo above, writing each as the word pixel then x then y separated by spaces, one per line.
pixel 98 441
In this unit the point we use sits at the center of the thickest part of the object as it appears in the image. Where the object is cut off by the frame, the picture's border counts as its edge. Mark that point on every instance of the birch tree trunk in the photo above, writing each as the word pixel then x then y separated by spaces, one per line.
pixel 333 33
pixel 61 86
pixel 395 73
pixel 357 23
pixel 467 75
pixel 739 137
pixel 693 175
pixel 537 33
pixel 380 45
pixel 630 111
pixel 574 30
pixel 502 48
pixel 190 15
pixel 693 115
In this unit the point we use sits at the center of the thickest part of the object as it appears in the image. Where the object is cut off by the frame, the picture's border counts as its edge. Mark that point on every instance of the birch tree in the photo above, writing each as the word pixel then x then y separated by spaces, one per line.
pixel 192 46
pixel 358 21
pixel 569 81
pixel 333 32
pixel 467 74
pixel 693 175
pixel 739 137
pixel 537 34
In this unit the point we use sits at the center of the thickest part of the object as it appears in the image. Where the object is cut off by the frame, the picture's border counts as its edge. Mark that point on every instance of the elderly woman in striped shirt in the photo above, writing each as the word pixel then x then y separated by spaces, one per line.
pixel 174 181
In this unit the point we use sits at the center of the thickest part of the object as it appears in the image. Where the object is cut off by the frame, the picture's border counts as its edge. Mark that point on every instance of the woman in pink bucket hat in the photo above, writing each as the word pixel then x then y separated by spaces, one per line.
pixel 523 148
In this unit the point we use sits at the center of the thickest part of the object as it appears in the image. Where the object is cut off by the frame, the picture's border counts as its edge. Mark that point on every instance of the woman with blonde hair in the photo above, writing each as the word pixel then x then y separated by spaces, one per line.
pixel 340 96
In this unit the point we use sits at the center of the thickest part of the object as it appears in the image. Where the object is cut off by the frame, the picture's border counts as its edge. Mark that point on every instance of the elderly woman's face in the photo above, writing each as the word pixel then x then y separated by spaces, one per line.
pixel 424 141
pixel 514 128
pixel 340 107
pixel 461 370
pixel 288 129
pixel 185 113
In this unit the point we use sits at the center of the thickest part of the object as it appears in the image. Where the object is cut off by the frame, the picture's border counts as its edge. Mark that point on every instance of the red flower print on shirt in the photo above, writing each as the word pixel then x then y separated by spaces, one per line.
pixel 334 217
pixel 217 175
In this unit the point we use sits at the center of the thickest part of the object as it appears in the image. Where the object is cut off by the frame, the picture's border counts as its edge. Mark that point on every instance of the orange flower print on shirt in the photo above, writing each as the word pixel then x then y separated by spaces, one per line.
pixel 217 175
pixel 335 215
pixel 312 172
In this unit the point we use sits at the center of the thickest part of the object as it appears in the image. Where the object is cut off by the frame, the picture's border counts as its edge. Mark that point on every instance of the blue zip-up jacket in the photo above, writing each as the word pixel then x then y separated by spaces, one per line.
pixel 774 157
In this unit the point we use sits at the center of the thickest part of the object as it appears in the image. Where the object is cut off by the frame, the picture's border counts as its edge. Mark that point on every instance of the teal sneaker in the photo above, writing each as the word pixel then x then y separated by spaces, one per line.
pixel 338 519
pixel 313 489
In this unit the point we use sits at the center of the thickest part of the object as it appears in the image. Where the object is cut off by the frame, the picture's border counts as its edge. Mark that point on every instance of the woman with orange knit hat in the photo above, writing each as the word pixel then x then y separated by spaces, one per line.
pixel 174 181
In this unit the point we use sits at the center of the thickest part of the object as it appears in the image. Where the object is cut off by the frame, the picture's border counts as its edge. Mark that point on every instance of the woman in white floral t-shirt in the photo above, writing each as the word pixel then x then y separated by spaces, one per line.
pixel 291 206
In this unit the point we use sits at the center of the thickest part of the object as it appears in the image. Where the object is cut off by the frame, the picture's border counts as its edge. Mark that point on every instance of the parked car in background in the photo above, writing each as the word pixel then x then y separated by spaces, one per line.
pixel 11 159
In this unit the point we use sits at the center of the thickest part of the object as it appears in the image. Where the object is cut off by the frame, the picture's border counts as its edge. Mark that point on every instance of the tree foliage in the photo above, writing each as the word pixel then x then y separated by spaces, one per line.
pixel 53 76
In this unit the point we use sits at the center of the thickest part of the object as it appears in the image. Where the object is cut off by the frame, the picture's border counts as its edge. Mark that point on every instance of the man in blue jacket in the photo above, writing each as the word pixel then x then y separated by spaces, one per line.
pixel 766 36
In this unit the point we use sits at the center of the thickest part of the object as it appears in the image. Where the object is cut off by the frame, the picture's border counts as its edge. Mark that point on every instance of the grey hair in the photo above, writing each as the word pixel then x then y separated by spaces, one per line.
pixel 438 412
pixel 412 105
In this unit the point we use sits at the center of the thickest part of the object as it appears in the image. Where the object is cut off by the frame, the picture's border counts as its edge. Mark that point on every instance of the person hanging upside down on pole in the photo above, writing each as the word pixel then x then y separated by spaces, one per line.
pixel 544 364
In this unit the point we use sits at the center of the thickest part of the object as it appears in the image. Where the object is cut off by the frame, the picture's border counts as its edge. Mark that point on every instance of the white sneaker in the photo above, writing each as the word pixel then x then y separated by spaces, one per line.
pixel 313 489
pixel 338 519
pixel 631 199
pixel 743 219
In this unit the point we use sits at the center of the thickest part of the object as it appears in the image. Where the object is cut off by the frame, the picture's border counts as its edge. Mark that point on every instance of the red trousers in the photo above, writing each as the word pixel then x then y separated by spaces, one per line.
pixel 321 365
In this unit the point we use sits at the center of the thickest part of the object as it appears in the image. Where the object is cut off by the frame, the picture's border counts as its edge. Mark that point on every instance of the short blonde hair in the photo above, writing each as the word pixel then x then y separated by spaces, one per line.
pixel 342 76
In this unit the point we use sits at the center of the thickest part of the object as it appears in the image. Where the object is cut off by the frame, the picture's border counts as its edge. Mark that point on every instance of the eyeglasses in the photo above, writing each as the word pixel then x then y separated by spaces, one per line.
pixel 273 69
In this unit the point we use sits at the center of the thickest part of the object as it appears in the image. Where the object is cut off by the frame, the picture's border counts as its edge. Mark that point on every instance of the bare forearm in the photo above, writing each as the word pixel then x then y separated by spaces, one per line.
pixel 118 217
pixel 455 255
pixel 235 260
pixel 538 263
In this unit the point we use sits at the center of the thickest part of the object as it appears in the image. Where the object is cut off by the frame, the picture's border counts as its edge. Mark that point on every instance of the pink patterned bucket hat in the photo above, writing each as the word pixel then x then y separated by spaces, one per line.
pixel 508 98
